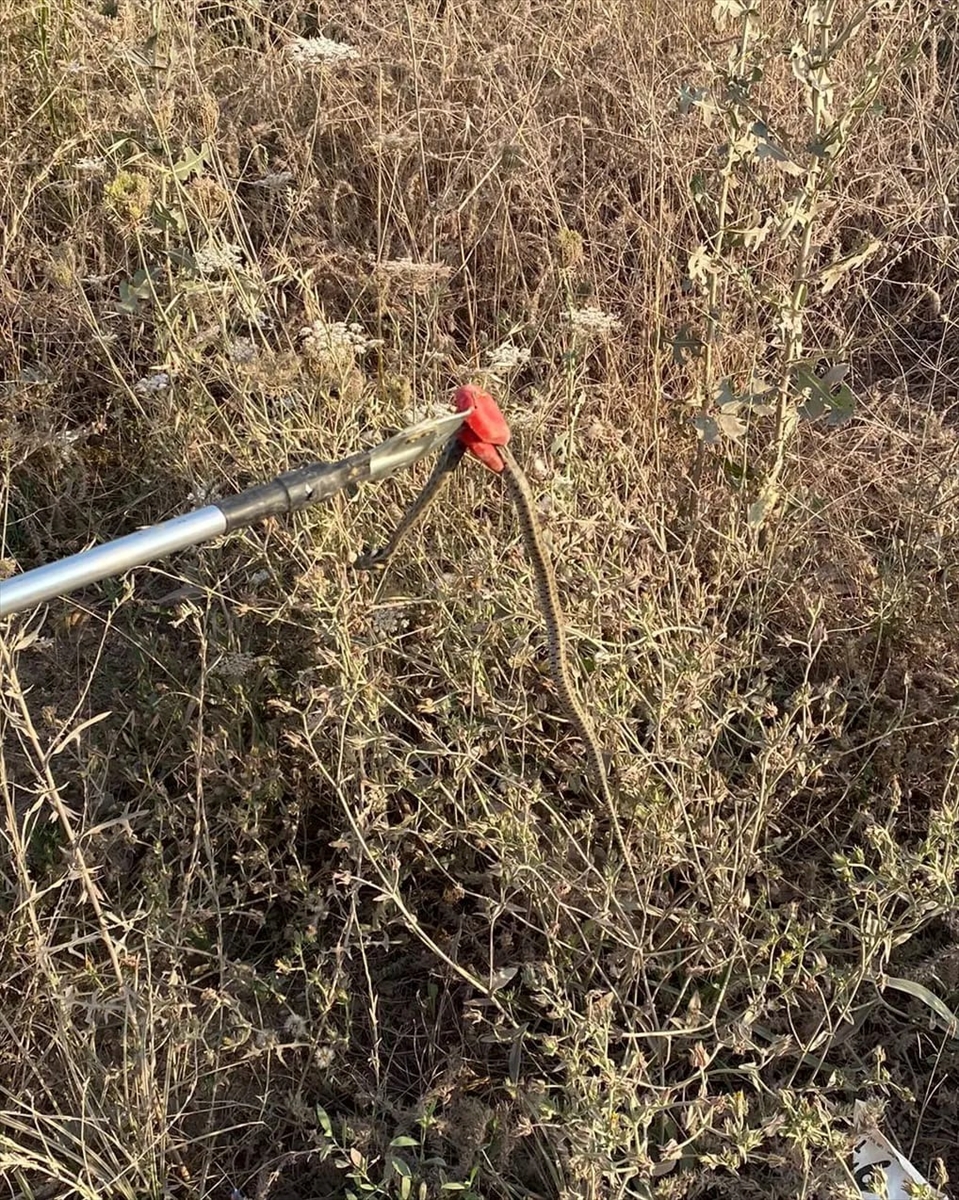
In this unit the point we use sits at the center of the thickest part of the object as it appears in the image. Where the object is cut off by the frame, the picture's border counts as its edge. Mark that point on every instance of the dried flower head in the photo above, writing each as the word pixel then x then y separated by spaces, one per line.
pixel 507 357
pixel 296 1025
pixel 217 258
pixel 324 1057
pixel 320 51
pixel 387 622
pixel 592 322
pixel 238 665
pixel 149 385
pixel 205 110
pixel 128 197
pixel 404 276
pixel 242 351
pixel 337 338
pixel 569 245
pixel 210 198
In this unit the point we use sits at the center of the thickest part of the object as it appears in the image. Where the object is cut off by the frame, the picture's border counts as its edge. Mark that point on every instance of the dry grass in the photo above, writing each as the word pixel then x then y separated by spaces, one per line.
pixel 303 889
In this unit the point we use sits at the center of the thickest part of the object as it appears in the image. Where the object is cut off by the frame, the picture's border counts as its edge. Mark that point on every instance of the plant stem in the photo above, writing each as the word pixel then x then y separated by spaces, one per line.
pixel 792 322
pixel 718 245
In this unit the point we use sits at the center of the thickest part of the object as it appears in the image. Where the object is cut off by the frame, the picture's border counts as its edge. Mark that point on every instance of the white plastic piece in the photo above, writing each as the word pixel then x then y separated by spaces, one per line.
pixel 881 1172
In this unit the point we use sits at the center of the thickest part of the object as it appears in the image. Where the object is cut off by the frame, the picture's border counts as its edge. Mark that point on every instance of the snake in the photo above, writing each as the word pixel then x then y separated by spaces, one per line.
pixel 544 580
pixel 446 464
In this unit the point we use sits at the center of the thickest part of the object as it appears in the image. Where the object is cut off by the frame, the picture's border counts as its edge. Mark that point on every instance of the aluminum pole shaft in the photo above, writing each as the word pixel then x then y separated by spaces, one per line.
pixel 112 558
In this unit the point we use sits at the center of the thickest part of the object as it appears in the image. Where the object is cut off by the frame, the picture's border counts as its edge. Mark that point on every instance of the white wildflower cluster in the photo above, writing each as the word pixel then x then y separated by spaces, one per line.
pixel 320 51
pixel 217 258
pixel 149 385
pixel 203 493
pixel 414 413
pixel 507 357
pixel 296 1025
pixel 242 351
pixel 390 621
pixel 90 165
pixel 324 1057
pixel 592 321
pixel 337 337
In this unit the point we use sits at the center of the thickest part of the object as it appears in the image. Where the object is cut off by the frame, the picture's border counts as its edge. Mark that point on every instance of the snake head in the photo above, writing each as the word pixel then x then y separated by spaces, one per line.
pixel 370 560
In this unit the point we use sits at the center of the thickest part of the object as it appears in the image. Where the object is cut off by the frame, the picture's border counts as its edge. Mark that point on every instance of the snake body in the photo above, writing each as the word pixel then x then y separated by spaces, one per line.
pixel 377 560
pixel 548 596
pixel 543 576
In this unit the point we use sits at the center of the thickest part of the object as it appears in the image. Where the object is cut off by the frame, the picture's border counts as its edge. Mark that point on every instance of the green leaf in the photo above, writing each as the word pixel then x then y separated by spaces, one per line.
pixel 181 258
pixel 836 374
pixel 699 265
pixel 403 1142
pixel 135 291
pixel 766 148
pixel 559 447
pixel 758 396
pixel 812 407
pixel 830 276
pixel 824 147
pixel 822 395
pixel 724 11
pixel 502 977
pixel 698 188
pixel 708 428
pixel 689 97
pixel 401 1168
pixel 192 162
pixel 942 1010
pixel 168 218
pixel 124 143
pixel 725 396
pixel 731 425
pixel 842 407
pixel 738 475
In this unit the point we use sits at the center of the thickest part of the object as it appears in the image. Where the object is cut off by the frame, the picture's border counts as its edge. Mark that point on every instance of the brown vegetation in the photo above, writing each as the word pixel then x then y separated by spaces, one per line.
pixel 304 889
